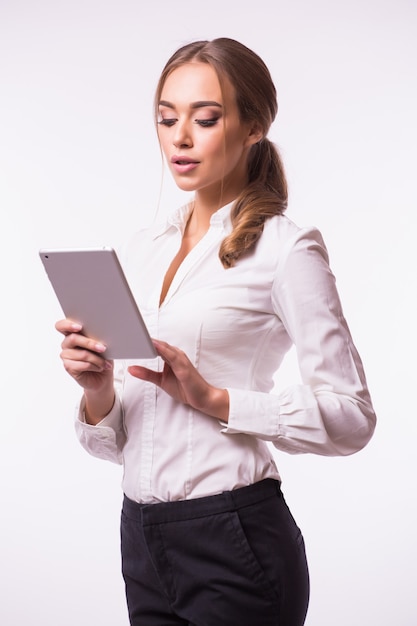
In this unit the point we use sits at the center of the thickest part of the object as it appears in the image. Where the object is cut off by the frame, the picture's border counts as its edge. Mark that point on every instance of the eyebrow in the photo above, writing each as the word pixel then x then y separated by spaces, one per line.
pixel 194 105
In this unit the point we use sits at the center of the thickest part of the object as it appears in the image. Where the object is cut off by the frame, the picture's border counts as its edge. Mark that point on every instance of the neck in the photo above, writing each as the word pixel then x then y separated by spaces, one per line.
pixel 199 220
pixel 206 203
pixel 208 200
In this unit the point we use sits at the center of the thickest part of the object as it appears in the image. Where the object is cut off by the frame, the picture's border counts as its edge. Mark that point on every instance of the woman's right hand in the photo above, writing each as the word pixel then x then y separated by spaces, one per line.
pixel 83 358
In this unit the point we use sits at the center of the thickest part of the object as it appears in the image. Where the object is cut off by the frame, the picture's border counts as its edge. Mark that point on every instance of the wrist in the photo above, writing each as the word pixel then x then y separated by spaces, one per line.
pixel 97 406
pixel 219 404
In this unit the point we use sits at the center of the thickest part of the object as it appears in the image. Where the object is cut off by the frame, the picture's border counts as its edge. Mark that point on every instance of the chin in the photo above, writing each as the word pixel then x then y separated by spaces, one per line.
pixel 185 185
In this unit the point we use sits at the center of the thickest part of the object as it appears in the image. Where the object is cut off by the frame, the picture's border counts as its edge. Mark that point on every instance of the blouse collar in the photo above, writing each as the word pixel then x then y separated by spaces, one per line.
pixel 178 219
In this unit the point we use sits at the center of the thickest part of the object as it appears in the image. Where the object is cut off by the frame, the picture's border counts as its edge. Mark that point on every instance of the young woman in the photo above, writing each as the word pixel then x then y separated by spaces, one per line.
pixel 226 284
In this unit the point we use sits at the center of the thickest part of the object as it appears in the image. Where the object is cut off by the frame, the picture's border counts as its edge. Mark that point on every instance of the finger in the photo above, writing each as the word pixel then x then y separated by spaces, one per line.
pixel 168 353
pixel 76 340
pixel 145 374
pixel 67 326
pixel 84 360
pixel 78 368
pixel 72 331
pixel 176 360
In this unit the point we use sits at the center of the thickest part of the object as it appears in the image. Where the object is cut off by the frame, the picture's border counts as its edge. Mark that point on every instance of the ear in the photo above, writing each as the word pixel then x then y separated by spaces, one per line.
pixel 255 134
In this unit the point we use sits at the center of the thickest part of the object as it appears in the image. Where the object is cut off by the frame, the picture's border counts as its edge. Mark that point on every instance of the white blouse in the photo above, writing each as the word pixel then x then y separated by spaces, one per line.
pixel 236 326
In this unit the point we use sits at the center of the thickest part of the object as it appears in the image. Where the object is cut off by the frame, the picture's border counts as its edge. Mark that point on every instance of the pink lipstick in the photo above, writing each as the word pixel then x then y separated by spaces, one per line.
pixel 183 165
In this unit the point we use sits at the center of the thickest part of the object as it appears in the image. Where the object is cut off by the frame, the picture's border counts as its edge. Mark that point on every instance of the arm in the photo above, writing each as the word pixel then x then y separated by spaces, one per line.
pixel 99 422
pixel 331 412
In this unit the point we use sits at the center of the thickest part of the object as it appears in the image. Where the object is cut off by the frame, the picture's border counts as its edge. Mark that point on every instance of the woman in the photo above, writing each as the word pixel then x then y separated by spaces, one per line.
pixel 226 285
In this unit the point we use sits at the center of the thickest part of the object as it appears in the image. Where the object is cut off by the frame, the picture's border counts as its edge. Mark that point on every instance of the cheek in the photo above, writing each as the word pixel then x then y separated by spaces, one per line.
pixel 234 154
pixel 210 144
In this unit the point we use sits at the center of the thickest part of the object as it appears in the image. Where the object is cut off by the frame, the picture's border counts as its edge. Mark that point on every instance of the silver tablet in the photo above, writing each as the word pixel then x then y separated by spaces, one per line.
pixel 93 290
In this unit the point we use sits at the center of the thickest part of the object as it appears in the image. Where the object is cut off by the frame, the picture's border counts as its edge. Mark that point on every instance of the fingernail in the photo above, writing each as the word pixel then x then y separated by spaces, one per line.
pixel 107 365
pixel 76 326
pixel 99 347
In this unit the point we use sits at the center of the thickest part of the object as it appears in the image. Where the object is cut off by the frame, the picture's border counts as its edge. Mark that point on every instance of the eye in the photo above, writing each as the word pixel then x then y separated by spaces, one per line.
pixel 207 123
pixel 167 121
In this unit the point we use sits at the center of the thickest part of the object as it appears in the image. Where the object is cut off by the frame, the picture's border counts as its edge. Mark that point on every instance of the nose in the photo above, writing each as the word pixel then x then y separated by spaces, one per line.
pixel 182 135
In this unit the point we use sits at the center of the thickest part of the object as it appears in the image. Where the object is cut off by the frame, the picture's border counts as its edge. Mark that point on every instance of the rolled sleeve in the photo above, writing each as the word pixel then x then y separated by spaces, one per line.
pixel 105 440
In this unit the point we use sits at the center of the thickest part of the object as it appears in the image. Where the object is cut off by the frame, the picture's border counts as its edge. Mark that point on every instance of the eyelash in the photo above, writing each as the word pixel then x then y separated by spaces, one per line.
pixel 204 123
pixel 207 123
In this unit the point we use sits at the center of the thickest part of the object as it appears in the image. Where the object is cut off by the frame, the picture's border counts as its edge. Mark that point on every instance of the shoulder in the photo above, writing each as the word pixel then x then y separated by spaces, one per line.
pixel 282 235
pixel 301 260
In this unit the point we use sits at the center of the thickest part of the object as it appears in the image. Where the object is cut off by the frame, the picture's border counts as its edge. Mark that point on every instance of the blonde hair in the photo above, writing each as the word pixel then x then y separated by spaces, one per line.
pixel 266 192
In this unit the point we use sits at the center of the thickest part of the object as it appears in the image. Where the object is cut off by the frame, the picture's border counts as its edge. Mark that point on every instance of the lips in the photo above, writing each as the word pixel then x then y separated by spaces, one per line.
pixel 180 160
pixel 183 165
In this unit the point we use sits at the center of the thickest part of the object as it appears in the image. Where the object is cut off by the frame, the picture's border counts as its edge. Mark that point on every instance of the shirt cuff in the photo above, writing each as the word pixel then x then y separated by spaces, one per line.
pixel 105 440
pixel 111 420
pixel 254 413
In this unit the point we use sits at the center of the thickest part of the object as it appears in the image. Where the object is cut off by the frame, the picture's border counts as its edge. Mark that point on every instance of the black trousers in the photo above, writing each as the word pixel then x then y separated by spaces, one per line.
pixel 234 559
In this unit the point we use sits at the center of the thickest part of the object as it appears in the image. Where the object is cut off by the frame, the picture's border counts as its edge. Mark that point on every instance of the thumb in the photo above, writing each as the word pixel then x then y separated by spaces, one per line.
pixel 145 374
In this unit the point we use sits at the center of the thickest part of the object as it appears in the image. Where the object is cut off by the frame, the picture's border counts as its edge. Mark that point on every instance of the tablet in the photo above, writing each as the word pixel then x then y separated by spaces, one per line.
pixel 93 290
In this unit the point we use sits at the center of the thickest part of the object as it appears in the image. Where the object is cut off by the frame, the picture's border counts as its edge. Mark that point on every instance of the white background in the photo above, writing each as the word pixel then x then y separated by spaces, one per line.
pixel 80 165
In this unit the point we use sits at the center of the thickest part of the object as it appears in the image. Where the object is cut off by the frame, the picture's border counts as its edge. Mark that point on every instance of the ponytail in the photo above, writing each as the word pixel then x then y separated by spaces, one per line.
pixel 265 195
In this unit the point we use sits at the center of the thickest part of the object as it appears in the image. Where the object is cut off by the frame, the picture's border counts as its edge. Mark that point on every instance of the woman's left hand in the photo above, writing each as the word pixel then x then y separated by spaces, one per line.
pixel 180 379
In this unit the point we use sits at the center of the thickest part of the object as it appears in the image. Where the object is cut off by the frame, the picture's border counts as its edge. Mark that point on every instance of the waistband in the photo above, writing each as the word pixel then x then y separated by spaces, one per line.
pixel 181 510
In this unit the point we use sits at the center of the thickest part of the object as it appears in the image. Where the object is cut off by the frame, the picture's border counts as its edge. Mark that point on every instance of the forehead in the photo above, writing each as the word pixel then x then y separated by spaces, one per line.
pixel 193 82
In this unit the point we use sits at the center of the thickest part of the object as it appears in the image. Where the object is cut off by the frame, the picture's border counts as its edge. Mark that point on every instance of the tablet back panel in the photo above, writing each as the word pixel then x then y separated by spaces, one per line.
pixel 92 289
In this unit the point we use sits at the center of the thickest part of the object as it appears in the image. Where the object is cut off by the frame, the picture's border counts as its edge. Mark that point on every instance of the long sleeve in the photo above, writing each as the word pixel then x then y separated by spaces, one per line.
pixel 331 412
pixel 106 440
